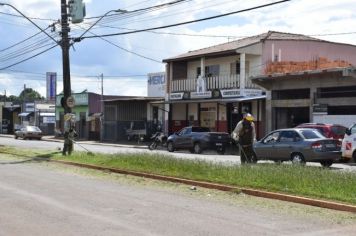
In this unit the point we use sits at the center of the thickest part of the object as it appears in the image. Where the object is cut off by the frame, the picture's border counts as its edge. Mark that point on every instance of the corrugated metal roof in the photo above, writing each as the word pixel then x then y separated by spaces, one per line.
pixel 240 43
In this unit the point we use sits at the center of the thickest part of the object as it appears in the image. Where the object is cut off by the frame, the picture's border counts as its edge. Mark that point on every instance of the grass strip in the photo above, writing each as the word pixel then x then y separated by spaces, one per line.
pixel 307 181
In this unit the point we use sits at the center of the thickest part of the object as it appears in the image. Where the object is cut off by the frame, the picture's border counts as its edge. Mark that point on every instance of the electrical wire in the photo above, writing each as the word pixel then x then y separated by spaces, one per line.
pixel 46 50
pixel 186 22
pixel 126 50
pixel 33 18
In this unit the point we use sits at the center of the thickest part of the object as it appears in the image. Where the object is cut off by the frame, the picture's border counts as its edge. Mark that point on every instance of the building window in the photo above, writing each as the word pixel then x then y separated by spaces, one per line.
pixel 290 94
pixel 341 110
pixel 213 70
pixel 336 92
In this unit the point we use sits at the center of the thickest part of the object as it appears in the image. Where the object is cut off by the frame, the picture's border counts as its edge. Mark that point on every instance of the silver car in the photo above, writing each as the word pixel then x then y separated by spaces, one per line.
pixel 298 145
pixel 29 132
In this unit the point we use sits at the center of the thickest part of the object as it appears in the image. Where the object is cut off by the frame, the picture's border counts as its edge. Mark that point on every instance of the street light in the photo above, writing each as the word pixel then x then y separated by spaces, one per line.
pixel 43 31
pixel 78 39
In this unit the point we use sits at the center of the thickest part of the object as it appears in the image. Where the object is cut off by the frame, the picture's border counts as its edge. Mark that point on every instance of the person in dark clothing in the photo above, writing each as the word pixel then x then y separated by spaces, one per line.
pixel 245 135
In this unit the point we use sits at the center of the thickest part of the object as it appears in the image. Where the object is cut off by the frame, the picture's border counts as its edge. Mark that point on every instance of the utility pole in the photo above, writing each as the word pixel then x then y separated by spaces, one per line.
pixel 66 74
pixel 65 56
pixel 102 109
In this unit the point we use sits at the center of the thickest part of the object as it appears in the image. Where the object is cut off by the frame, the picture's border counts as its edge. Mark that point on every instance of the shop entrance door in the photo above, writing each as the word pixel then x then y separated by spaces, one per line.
pixel 207 119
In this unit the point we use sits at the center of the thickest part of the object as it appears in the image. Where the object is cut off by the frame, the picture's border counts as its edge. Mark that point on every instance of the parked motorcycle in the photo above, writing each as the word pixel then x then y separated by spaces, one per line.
pixel 158 139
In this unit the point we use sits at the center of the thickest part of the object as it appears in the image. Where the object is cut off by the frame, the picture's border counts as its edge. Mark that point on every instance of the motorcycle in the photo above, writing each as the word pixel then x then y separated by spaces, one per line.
pixel 158 139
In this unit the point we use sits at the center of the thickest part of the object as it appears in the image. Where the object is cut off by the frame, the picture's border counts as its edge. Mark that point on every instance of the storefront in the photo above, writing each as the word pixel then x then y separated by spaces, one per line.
pixel 219 110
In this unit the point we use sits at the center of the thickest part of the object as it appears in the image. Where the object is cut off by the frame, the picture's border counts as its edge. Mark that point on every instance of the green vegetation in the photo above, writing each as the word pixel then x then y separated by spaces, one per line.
pixel 306 181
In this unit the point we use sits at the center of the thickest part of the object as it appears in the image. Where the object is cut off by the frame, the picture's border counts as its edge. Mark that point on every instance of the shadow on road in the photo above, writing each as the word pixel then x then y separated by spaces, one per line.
pixel 39 158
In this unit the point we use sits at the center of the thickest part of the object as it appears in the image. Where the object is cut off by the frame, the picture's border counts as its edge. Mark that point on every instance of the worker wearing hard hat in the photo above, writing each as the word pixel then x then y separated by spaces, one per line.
pixel 245 135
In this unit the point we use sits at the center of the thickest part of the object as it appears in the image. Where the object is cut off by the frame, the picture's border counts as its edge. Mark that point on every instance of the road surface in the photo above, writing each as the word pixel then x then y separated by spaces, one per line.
pixel 40 198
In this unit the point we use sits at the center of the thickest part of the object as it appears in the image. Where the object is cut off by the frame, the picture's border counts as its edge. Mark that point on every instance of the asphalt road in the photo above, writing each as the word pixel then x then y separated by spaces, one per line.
pixel 98 148
pixel 51 199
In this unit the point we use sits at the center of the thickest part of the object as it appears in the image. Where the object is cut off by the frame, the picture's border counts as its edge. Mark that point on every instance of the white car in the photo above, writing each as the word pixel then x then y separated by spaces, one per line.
pixel 349 144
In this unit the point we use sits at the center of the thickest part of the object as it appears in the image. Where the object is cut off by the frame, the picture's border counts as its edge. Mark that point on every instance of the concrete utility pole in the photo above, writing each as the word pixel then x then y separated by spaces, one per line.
pixel 68 143
pixel 65 57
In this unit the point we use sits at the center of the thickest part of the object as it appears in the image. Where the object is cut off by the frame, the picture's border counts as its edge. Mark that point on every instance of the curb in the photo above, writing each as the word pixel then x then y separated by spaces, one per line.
pixel 252 192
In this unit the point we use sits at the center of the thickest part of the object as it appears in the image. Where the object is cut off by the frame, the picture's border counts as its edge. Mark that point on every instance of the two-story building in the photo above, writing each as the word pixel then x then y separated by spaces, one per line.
pixel 212 86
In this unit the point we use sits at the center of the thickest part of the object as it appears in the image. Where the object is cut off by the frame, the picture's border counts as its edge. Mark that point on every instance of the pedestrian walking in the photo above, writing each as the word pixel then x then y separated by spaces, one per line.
pixel 244 135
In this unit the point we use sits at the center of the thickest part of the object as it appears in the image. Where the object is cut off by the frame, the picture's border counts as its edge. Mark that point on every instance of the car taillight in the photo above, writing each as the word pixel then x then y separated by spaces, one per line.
pixel 338 143
pixel 316 145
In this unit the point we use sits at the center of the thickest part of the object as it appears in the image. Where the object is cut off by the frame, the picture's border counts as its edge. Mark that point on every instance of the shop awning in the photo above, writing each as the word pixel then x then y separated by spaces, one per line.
pixel 24 114
pixel 47 114
pixel 219 100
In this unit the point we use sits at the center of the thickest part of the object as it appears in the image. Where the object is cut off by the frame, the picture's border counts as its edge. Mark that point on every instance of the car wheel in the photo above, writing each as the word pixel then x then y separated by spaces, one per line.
pixel 297 158
pixel 170 147
pixel 326 163
pixel 197 148
pixel 16 137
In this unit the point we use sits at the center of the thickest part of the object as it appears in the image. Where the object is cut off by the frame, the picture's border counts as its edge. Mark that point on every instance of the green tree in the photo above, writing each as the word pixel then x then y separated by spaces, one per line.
pixel 29 95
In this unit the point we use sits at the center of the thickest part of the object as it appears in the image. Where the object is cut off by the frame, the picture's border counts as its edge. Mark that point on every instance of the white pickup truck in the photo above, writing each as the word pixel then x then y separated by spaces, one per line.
pixel 348 147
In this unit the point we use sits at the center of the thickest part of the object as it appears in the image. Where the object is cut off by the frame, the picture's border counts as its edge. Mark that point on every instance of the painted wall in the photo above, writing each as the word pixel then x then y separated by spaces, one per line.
pixel 178 112
pixel 224 63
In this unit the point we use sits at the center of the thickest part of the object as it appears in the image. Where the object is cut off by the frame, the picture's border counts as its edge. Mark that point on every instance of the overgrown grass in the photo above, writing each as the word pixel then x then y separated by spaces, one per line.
pixel 299 180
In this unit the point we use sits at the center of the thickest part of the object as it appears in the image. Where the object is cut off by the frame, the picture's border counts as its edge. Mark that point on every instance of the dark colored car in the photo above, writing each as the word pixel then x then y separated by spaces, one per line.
pixel 328 130
pixel 29 132
pixel 298 145
pixel 197 139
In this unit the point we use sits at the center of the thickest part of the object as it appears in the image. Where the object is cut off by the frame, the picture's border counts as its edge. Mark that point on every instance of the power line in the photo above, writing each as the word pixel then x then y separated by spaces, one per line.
pixel 126 50
pixel 147 8
pixel 186 22
pixel 46 50
pixel 22 41
pixel 34 18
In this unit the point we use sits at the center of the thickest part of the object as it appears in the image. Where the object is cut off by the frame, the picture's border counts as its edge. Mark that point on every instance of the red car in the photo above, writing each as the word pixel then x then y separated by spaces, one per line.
pixel 328 130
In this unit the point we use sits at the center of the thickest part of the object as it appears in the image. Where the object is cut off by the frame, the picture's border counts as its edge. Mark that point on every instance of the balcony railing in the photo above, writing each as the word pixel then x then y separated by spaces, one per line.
pixel 212 82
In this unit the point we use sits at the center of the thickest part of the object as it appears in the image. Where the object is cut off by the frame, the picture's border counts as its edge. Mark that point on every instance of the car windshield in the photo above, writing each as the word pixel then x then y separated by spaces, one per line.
pixel 311 134
pixel 200 129
pixel 32 129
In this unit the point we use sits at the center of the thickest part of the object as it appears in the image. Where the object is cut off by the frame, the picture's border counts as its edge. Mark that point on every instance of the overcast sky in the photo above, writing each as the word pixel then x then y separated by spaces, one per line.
pixel 125 60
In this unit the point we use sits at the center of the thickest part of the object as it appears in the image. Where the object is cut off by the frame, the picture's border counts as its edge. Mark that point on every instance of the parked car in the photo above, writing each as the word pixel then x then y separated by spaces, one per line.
pixel 328 130
pixel 298 145
pixel 348 147
pixel 197 139
pixel 29 132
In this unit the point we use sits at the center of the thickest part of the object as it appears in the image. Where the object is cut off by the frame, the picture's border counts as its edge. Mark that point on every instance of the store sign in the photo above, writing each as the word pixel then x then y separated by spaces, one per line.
pixel 49 120
pixel 228 93
pixel 80 99
pixel 320 108
pixel 195 95
pixel 51 85
pixel 253 92
pixel 29 107
pixel 176 96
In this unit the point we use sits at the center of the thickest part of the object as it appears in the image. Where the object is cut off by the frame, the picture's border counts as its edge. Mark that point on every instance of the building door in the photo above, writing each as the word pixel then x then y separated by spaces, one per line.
pixel 208 115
